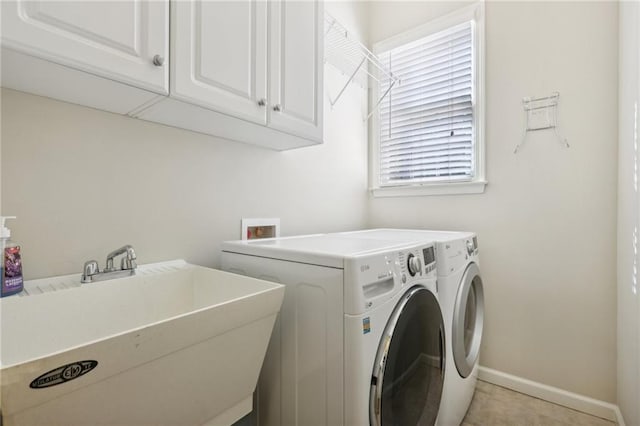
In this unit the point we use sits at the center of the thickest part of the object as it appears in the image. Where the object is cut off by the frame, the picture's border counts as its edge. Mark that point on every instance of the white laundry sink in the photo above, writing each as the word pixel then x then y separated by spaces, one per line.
pixel 175 344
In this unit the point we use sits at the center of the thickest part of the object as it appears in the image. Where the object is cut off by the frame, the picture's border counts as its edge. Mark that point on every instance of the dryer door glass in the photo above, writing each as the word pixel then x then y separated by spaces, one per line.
pixel 468 319
pixel 409 371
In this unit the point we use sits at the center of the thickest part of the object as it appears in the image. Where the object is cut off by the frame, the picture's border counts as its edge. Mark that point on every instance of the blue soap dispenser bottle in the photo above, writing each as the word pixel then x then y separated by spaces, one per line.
pixel 11 281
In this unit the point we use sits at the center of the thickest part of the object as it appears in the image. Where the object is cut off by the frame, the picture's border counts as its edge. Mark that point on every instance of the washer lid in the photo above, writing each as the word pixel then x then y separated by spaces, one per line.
pixel 408 235
pixel 322 249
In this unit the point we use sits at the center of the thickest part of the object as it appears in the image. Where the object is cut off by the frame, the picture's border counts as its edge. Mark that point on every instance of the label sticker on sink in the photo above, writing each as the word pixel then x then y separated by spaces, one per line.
pixel 63 374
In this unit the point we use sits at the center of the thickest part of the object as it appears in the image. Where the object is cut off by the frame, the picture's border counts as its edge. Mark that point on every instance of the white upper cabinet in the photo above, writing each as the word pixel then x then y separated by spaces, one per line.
pixel 219 58
pixel 244 70
pixel 117 40
pixel 295 66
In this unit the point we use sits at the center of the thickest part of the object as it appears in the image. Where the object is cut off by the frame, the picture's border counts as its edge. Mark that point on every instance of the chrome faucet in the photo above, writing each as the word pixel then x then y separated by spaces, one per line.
pixel 128 262
pixel 128 265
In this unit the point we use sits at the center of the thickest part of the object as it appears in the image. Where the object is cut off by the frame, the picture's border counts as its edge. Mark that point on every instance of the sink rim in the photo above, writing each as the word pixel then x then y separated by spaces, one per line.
pixel 104 334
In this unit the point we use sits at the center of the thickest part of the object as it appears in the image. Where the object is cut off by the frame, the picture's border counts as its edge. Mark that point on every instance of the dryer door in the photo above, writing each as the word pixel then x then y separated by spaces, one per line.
pixel 468 318
pixel 409 371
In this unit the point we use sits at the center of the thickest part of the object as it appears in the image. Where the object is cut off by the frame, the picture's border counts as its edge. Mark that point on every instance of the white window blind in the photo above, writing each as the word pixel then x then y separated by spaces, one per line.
pixel 426 123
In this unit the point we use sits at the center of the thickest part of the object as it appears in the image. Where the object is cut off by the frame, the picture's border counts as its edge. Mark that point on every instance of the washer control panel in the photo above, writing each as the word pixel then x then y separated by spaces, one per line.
pixel 375 278
pixel 418 262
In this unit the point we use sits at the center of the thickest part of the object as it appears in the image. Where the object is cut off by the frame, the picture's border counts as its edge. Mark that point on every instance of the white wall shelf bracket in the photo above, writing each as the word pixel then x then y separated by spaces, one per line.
pixel 541 113
pixel 384 95
pixel 353 75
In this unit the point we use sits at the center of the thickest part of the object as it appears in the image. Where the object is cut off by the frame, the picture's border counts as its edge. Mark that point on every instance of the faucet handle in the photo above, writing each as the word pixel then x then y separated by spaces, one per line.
pixel 131 254
pixel 127 263
pixel 90 269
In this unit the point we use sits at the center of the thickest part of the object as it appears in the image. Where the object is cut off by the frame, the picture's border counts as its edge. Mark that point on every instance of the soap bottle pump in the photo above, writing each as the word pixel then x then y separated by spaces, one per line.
pixel 11 281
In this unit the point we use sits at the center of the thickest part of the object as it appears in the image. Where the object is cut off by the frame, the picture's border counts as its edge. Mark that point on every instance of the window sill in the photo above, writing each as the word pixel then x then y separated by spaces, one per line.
pixel 458 188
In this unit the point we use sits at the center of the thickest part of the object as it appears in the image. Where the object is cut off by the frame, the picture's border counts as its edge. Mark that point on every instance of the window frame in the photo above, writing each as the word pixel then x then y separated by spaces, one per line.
pixel 476 185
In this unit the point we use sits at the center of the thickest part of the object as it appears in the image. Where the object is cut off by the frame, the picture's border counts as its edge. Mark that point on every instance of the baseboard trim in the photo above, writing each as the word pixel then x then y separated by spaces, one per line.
pixel 619 418
pixel 558 396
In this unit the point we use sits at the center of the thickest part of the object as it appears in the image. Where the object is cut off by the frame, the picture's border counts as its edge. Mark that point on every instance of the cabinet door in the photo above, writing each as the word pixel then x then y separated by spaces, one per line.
pixel 219 56
pixel 295 66
pixel 113 39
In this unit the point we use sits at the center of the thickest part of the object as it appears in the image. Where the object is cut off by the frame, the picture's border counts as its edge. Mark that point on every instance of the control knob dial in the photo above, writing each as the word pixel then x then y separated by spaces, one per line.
pixel 414 264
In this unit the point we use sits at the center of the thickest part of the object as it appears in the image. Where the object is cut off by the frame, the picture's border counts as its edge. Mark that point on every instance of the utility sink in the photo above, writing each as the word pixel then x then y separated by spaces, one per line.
pixel 176 344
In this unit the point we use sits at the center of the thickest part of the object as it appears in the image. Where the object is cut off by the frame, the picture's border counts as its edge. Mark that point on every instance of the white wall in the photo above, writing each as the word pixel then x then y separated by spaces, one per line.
pixel 547 220
pixel 629 216
pixel 84 182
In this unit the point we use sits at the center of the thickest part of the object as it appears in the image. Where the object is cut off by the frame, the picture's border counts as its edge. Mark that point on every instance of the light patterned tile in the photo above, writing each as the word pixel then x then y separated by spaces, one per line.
pixel 497 406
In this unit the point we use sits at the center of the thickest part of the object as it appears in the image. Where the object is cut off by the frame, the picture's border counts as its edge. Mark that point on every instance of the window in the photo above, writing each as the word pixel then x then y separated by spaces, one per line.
pixel 428 131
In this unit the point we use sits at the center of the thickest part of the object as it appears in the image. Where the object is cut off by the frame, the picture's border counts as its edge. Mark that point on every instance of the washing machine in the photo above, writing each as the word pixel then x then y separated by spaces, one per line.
pixel 461 296
pixel 360 336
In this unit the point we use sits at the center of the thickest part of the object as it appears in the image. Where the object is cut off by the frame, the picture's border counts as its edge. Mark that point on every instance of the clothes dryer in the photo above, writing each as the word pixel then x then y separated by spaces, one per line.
pixel 360 336
pixel 461 297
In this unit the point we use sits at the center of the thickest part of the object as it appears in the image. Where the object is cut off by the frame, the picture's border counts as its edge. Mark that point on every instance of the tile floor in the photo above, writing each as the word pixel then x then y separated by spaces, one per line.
pixel 496 406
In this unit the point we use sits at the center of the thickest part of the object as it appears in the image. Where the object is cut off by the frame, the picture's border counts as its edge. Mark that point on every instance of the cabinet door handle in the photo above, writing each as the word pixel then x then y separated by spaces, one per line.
pixel 158 60
pixel 277 108
pixel 262 102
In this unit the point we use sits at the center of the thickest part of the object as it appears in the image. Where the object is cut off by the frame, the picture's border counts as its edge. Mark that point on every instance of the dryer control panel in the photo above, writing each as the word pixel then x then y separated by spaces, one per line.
pixel 370 280
pixel 457 253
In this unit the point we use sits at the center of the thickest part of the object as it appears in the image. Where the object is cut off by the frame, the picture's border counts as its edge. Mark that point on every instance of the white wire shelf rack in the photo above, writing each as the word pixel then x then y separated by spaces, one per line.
pixel 541 113
pixel 349 56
